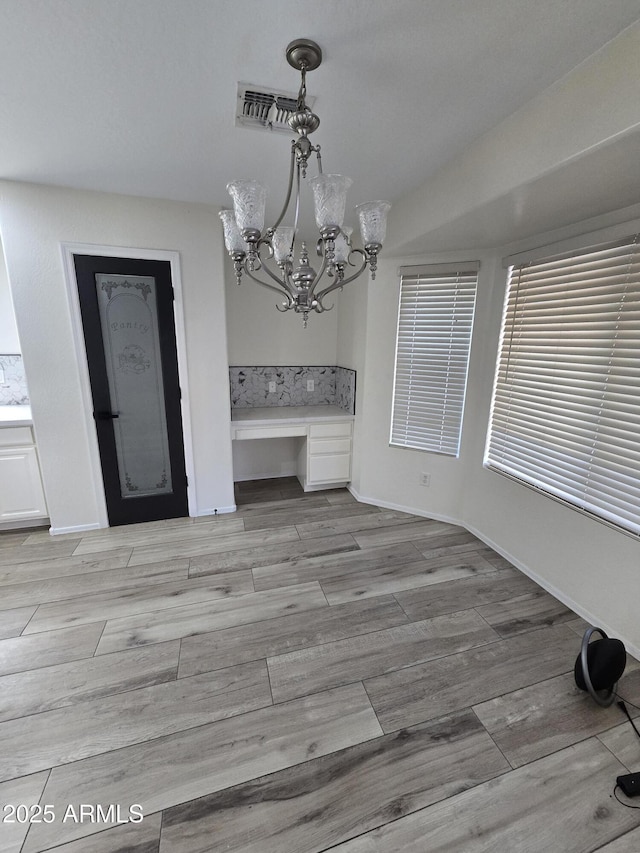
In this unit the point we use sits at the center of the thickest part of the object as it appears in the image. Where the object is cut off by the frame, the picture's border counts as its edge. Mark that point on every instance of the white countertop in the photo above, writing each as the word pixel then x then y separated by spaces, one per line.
pixel 288 414
pixel 12 416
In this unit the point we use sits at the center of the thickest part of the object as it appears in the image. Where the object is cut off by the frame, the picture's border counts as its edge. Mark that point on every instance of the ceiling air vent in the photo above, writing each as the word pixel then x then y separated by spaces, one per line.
pixel 265 110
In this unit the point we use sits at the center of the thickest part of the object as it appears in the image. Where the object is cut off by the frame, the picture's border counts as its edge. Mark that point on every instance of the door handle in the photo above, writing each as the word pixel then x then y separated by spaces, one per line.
pixel 105 416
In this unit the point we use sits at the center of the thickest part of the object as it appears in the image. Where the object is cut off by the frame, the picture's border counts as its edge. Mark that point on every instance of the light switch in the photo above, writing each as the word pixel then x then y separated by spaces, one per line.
pixel 310 384
pixel 272 387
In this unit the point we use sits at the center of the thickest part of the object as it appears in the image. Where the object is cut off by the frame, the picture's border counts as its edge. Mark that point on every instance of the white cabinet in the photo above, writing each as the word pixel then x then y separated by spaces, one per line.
pixel 327 455
pixel 324 456
pixel 21 492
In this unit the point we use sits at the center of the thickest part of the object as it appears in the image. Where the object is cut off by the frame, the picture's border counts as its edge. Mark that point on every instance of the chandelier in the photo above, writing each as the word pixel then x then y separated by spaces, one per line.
pixel 257 253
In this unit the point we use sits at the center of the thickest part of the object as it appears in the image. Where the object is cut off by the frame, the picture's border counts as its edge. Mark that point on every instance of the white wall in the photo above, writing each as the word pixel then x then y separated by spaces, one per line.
pixel 391 475
pixel 262 459
pixel 34 221
pixel 351 353
pixel 9 342
pixel 260 335
pixel 589 109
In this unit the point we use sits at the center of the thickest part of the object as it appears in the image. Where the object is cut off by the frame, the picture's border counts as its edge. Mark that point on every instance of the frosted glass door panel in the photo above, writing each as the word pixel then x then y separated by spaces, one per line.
pixel 129 321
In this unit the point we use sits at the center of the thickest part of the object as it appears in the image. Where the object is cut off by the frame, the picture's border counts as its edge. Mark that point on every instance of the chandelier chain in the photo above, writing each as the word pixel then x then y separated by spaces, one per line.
pixel 302 93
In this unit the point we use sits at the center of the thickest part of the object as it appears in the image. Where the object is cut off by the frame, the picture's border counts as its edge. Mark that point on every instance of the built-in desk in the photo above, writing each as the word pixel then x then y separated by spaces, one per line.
pixel 324 458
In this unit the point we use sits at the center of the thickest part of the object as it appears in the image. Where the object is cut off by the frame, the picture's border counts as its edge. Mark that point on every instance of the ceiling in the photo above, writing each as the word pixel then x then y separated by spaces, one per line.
pixel 139 96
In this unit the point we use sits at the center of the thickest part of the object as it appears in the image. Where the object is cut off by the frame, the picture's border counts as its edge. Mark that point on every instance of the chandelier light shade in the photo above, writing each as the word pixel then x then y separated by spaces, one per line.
pixel 330 200
pixel 282 243
pixel 249 201
pixel 257 253
pixel 343 245
pixel 233 240
pixel 373 221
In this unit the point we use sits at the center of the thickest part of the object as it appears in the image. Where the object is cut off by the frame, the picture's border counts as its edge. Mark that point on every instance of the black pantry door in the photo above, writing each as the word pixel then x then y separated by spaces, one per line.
pixel 129 331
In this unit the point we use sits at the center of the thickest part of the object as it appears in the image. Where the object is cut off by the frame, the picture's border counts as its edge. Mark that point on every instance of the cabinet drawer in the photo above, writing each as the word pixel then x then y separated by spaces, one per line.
pixel 240 433
pixel 330 469
pixel 16 436
pixel 330 430
pixel 329 445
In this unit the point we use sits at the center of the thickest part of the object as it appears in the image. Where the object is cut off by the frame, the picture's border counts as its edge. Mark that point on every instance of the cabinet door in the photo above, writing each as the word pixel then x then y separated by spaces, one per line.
pixel 21 494
pixel 334 468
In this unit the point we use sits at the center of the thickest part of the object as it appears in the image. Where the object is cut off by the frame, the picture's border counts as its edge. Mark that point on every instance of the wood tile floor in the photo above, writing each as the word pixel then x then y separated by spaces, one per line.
pixel 307 674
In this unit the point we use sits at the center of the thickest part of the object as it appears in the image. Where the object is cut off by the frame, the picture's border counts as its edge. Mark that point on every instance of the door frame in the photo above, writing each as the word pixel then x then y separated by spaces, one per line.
pixel 68 251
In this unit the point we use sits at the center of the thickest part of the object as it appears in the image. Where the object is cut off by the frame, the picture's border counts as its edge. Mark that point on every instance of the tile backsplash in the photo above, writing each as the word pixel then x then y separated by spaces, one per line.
pixel 13 384
pixel 332 386
pixel 346 389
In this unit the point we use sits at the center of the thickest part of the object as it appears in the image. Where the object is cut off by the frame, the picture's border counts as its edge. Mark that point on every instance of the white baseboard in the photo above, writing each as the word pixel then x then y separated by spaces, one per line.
pixel 556 593
pixel 402 508
pixel 219 510
pixel 79 528
pixel 84 528
pixel 276 475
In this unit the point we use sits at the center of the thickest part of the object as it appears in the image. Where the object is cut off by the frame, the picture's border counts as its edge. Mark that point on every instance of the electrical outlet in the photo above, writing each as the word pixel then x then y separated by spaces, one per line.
pixel 272 387
pixel 425 479
pixel 310 384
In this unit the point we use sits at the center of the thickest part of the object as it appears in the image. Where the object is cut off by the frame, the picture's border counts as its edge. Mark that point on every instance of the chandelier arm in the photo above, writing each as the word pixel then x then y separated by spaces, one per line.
pixel 278 290
pixel 319 275
pixel 316 281
pixel 320 308
pixel 289 188
pixel 296 216
pixel 355 275
pixel 282 282
pixel 344 281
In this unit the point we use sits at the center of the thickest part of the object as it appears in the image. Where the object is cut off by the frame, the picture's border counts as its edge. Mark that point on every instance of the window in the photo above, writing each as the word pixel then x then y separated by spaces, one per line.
pixel 435 319
pixel 566 408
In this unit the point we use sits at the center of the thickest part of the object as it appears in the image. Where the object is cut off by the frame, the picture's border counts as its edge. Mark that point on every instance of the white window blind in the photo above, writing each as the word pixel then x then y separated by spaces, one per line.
pixel 435 320
pixel 566 408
